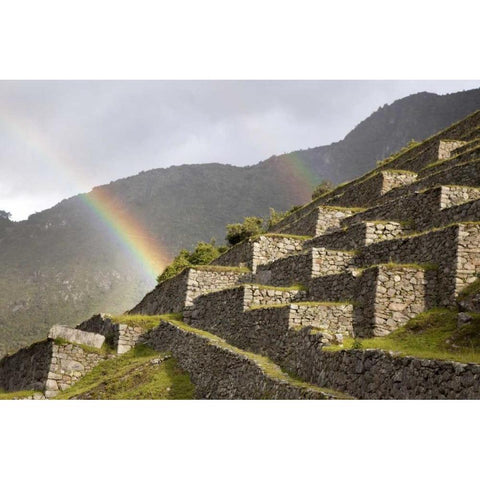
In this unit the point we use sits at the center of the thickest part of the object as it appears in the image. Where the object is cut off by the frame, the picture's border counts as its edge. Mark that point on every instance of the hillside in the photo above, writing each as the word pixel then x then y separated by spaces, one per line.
pixel 62 264
pixel 369 291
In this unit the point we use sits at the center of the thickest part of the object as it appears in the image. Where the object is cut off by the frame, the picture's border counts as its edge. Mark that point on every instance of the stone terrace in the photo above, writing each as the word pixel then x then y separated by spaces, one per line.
pixel 359 261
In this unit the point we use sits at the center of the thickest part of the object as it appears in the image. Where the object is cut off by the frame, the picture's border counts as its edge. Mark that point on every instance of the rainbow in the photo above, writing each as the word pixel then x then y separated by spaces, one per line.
pixel 298 177
pixel 151 256
pixel 148 252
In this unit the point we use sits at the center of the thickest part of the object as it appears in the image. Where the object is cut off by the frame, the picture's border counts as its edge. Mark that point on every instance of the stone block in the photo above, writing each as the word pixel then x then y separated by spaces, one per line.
pixel 76 336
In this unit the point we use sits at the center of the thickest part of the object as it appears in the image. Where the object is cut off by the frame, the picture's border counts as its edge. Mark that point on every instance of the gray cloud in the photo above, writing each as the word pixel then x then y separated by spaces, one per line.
pixel 58 138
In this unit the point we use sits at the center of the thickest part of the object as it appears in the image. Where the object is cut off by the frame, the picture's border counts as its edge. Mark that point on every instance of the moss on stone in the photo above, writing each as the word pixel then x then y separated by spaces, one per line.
pixel 22 394
pixel 221 268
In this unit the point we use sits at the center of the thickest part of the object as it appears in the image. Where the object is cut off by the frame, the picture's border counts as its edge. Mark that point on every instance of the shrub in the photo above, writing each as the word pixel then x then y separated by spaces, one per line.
pixel 323 187
pixel 237 232
pixel 203 254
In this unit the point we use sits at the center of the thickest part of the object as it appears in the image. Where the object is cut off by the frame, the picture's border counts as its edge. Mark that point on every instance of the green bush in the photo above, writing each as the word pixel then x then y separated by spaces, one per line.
pixel 237 232
pixel 322 188
pixel 203 254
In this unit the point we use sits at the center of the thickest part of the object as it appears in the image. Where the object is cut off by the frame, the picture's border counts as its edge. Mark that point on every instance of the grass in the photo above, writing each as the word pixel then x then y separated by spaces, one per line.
pixel 400 171
pixel 220 268
pixel 104 349
pixel 142 321
pixel 471 289
pixel 265 364
pixel 17 395
pixel 433 335
pixel 394 266
pixel 300 304
pixel 285 235
pixel 449 159
pixel 133 376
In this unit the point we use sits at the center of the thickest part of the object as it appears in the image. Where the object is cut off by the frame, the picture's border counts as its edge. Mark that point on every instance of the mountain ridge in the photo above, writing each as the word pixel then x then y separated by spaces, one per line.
pixel 61 265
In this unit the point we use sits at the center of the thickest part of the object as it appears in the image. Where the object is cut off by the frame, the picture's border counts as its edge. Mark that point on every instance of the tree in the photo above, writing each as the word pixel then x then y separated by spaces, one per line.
pixel 237 232
pixel 203 254
pixel 323 187
pixel 5 215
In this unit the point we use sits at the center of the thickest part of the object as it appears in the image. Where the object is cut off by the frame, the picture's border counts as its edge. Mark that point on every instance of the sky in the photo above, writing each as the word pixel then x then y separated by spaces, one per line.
pixel 60 138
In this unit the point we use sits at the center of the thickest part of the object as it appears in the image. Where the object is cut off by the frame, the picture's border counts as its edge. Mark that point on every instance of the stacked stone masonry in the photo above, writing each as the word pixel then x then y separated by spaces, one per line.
pixel 318 221
pixel 172 295
pixel 359 235
pixel 258 251
pixel 221 372
pixel 359 261
pixel 47 366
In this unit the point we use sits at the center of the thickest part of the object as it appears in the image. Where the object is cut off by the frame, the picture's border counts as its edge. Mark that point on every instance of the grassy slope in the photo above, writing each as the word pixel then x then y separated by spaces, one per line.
pixel 134 376
pixel 433 334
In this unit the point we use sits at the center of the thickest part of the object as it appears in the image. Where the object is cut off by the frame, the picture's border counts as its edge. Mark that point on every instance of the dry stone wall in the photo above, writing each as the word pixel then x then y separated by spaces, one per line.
pixel 374 374
pixel 389 296
pixel 222 372
pixel 464 174
pixel 27 369
pixel 68 364
pixel 333 288
pixel 318 221
pixel 174 294
pixel 371 189
pixel 47 366
pixel 122 337
pixel 437 247
pixel 261 250
pixel 359 235
pixel 472 153
pixel 218 308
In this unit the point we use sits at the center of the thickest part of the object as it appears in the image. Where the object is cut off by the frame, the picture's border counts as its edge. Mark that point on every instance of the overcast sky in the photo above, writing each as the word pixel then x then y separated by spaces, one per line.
pixel 59 138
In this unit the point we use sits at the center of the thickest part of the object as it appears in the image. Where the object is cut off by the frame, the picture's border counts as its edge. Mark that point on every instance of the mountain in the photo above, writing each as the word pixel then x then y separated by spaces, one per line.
pixel 66 263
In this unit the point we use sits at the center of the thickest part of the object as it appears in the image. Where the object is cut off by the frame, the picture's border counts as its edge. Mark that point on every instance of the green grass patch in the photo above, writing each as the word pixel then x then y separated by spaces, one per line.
pixel 449 159
pixel 406 172
pixel 220 268
pixel 105 349
pixel 395 266
pixel 17 395
pixel 133 376
pixel 471 289
pixel 433 334
pixel 284 235
pixel 146 322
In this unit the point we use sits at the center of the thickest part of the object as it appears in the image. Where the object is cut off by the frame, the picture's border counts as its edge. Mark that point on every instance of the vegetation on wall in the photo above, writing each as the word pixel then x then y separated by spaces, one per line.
pixel 322 188
pixel 202 254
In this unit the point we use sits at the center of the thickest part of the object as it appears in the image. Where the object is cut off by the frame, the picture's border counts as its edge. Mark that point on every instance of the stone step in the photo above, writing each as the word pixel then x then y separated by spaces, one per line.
pixel 387 296
pixel 370 190
pixel 120 336
pixel 359 235
pixel 453 249
pixel 216 307
pixel 220 370
pixel 422 210
pixel 319 220
pixel 174 294
pixel 301 268
pixel 470 152
pixel 467 146
pixel 330 317
pixel 466 174
pixel 260 250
